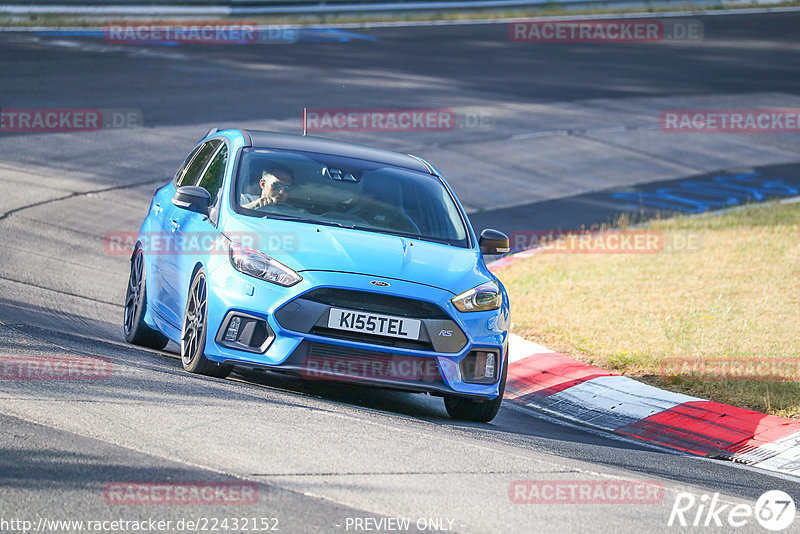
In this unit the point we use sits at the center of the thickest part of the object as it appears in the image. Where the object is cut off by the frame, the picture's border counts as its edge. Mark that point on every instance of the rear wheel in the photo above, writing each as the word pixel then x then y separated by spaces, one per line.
pixel 135 329
pixel 193 334
pixel 480 411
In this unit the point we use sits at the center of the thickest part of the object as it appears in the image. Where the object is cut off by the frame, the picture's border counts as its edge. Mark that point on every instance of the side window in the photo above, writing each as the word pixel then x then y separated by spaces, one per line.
pixel 191 172
pixel 212 179
pixel 186 163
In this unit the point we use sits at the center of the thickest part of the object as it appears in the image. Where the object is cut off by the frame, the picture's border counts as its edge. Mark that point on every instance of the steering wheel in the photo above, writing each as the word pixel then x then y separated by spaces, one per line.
pixel 390 220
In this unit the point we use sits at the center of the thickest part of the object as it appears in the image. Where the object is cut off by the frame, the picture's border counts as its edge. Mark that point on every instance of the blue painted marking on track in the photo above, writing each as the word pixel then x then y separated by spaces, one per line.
pixel 692 196
pixel 332 35
pixel 266 36
pixel 70 33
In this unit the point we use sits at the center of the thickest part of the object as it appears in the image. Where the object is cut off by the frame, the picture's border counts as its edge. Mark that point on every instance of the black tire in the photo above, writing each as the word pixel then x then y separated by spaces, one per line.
pixel 479 411
pixel 135 329
pixel 193 332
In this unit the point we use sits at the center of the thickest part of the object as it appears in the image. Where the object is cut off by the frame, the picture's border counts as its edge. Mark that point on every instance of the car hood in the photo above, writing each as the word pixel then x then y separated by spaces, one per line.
pixel 312 247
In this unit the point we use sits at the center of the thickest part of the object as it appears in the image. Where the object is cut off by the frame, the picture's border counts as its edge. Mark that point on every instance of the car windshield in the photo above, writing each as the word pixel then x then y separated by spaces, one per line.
pixel 346 192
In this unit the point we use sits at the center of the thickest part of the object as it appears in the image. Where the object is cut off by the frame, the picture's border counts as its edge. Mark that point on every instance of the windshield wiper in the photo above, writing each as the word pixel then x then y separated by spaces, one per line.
pixel 406 234
pixel 280 217
pixel 309 221
pixel 328 223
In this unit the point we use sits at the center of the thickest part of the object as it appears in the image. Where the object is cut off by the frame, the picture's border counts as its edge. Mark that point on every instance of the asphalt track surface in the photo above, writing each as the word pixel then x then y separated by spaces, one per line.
pixel 320 453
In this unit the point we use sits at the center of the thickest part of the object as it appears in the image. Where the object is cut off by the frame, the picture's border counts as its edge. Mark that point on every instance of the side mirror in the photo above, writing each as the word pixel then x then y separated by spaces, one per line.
pixel 192 198
pixel 493 242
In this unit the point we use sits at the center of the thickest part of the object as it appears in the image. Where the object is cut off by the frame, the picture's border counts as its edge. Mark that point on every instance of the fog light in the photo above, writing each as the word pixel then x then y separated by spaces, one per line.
pixel 480 367
pixel 484 365
pixel 232 333
pixel 242 331
pixel 489 372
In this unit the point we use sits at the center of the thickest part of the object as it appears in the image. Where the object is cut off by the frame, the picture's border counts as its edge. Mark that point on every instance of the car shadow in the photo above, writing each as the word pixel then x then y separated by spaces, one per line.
pixel 146 373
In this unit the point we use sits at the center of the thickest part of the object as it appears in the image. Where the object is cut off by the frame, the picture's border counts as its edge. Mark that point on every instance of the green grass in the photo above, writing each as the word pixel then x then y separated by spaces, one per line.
pixel 735 296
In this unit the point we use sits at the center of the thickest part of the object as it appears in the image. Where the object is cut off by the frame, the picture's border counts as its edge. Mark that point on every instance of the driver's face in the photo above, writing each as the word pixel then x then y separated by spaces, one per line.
pixel 275 185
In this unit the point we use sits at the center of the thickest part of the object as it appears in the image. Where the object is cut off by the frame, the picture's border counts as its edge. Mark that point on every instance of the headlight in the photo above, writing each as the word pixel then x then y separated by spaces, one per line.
pixel 485 297
pixel 254 263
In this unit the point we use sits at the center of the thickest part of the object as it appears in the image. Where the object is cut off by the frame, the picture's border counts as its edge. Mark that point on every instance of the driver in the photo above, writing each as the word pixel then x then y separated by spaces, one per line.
pixel 275 186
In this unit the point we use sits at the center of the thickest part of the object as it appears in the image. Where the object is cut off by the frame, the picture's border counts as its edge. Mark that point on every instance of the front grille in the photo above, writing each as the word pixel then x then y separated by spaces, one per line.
pixel 335 351
pixel 372 339
pixel 376 303
pixel 309 313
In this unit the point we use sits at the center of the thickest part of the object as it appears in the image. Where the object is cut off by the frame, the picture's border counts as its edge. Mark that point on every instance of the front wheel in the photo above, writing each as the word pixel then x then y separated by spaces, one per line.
pixel 480 411
pixel 193 334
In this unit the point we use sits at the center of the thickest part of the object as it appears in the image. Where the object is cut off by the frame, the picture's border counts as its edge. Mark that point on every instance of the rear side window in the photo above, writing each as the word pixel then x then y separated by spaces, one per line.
pixel 212 179
pixel 191 171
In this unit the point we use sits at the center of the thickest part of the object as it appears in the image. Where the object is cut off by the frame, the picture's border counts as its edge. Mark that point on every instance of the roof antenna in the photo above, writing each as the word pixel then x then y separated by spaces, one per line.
pixel 305 120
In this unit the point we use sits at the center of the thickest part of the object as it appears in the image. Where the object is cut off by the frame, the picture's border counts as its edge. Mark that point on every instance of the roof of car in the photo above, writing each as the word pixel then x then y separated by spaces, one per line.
pixel 261 139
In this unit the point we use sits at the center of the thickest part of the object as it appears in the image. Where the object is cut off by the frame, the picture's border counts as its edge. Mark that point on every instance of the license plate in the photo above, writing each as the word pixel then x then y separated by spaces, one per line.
pixel 373 323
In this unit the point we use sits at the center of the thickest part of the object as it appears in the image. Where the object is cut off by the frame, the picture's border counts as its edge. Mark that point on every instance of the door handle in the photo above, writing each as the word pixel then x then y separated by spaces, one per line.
pixel 174 223
pixel 157 208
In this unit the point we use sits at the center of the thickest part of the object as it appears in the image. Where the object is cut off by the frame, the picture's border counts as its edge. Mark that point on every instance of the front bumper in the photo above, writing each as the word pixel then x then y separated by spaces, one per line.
pixel 297 340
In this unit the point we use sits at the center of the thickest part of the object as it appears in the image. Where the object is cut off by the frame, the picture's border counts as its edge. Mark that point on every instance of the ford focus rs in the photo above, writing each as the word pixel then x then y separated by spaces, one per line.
pixel 326 260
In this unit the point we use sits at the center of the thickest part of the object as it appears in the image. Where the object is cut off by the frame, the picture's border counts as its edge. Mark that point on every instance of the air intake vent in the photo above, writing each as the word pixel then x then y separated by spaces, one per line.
pixel 376 303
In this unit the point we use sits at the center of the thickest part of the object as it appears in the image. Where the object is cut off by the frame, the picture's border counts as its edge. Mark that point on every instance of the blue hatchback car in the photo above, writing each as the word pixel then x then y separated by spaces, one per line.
pixel 326 260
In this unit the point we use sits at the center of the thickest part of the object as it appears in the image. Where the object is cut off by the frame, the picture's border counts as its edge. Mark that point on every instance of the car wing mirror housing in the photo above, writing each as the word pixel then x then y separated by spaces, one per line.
pixel 192 198
pixel 493 242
